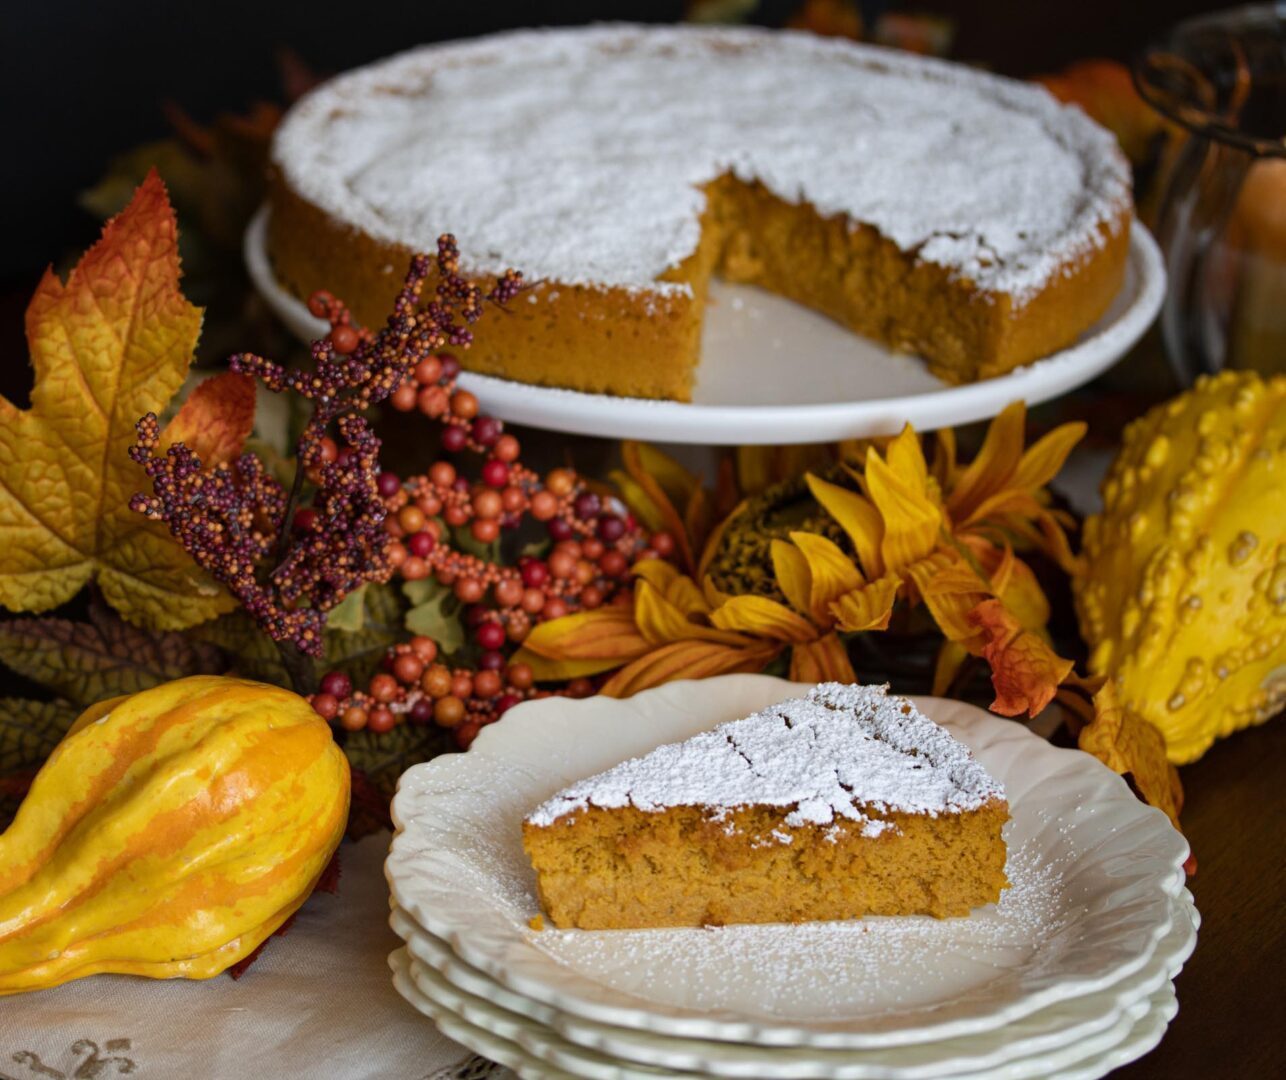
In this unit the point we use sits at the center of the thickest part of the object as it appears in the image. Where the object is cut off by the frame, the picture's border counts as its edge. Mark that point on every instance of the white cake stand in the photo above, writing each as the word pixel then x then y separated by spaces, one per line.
pixel 773 371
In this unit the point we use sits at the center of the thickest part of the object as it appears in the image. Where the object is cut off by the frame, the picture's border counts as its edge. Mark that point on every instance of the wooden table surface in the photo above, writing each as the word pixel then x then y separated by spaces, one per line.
pixel 1232 993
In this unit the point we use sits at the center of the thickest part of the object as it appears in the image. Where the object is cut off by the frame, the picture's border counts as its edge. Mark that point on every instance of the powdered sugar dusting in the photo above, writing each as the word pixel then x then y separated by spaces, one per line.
pixel 579 155
pixel 842 752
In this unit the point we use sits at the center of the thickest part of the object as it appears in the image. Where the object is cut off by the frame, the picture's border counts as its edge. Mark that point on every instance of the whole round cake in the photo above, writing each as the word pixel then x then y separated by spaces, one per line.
pixel 964 217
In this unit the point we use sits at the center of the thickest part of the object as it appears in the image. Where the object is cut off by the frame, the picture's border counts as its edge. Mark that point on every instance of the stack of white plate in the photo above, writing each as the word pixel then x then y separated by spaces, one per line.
pixel 1069 975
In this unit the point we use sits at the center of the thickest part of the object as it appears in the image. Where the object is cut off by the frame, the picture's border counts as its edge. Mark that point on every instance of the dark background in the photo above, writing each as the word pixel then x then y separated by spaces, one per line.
pixel 80 82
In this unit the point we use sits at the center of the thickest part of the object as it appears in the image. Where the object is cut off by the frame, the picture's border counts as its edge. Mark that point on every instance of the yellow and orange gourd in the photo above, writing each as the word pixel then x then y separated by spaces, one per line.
pixel 169 834
pixel 1183 598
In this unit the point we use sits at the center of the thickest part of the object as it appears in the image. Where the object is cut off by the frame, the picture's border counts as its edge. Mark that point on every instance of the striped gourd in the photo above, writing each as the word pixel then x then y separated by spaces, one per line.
pixel 169 834
pixel 1183 598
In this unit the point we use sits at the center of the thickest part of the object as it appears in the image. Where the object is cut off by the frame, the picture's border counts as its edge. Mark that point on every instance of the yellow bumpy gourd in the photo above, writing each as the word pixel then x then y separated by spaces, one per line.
pixel 169 834
pixel 1183 598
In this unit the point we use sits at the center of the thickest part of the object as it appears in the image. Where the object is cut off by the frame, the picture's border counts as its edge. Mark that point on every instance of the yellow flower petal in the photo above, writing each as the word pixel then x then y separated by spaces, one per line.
pixel 659 621
pixel 944 458
pixel 856 516
pixel 911 518
pixel 832 574
pixel 793 576
pixel 823 660
pixel 950 656
pixel 666 484
pixel 867 608
pixel 582 644
pixel 996 462
pixel 687 660
pixel 950 589
pixel 906 458
pixel 762 617
pixel 1043 459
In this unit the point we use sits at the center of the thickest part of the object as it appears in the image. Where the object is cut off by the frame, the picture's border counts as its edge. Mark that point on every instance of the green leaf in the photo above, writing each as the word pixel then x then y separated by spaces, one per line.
pixel 350 613
pixel 383 758
pixel 356 652
pixel 462 539
pixel 435 614
pixel 86 662
pixel 29 731
pixel 249 651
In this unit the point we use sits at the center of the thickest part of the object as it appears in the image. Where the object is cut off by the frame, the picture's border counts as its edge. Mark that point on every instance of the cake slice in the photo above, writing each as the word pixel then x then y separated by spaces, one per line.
pixel 844 803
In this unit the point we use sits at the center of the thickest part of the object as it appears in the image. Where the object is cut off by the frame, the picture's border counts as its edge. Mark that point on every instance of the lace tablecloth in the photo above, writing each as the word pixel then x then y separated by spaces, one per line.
pixel 318 1002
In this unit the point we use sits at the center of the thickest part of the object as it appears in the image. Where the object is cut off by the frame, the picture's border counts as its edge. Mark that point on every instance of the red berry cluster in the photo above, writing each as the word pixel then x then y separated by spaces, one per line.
pixel 594 544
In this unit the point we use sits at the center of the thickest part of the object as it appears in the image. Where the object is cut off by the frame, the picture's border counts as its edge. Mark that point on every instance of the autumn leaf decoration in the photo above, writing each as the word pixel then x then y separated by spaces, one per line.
pixel 943 537
pixel 111 343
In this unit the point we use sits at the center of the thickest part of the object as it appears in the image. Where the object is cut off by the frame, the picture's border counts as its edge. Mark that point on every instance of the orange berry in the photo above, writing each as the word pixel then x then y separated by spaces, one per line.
pixel 485 530
pixel 448 711
pixel 381 719
pixel 425 648
pixel 512 499
pixel 432 401
pixel 487 684
pixel 592 549
pixel 442 473
pixel 543 506
pixel 396 554
pixel 408 668
pixel 555 608
pixel 464 405
pixel 462 685
pixel 327 451
pixel 404 397
pixel 562 565
pixel 411 518
pixel 591 597
pixel 325 705
pixel 354 718
pixel 428 370
pixel 383 687
pixel 488 503
pixel 519 676
pixel 561 482
pixel 414 568
pixel 468 590
pixel 507 448
pixel 430 505
pixel 393 528
pixel 532 601
pixel 662 543
pixel 579 688
pixel 585 572
pixel 436 681
pixel 509 593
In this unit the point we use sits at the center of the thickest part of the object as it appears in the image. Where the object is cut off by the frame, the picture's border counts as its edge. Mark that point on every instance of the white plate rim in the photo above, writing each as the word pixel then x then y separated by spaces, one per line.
pixel 1097 1012
pixel 493 1026
pixel 600 415
pixel 595 1002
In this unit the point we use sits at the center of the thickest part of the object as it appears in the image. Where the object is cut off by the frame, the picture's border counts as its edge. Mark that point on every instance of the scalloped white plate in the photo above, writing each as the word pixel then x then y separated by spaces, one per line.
pixel 1042 1033
pixel 1093 872
pixel 535 1053
pixel 773 371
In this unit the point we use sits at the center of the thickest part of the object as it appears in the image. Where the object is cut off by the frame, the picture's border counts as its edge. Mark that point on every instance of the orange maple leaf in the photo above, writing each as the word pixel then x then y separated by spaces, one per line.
pixel 1128 744
pixel 112 343
pixel 1025 671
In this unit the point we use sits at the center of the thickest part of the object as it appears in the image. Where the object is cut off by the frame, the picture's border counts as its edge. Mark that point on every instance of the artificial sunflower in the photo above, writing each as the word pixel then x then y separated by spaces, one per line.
pixel 944 536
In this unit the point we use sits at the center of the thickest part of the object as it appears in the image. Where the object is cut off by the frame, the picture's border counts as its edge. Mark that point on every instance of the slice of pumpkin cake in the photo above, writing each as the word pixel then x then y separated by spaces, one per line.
pixel 844 803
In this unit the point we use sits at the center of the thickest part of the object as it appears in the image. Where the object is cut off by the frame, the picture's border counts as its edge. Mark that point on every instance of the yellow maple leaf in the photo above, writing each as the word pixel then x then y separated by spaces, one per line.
pixel 110 344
